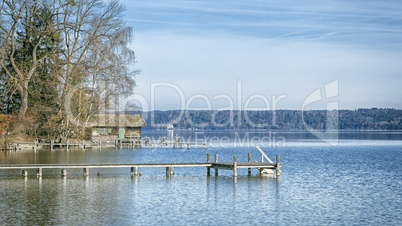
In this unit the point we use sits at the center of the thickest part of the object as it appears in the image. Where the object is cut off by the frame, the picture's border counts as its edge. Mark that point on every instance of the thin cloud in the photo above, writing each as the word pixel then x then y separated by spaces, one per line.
pixel 288 47
pixel 161 22
pixel 357 20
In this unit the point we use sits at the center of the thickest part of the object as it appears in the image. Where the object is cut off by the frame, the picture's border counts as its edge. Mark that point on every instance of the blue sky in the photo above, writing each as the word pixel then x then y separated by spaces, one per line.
pixel 259 51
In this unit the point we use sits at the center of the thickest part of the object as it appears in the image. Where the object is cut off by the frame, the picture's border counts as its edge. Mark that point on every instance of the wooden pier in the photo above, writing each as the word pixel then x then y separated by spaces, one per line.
pixel 233 165
pixel 176 143
pixel 119 143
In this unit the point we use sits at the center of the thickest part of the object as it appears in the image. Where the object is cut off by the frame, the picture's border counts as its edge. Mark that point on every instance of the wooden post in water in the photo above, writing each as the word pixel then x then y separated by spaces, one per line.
pixel 35 144
pixel 216 161
pixel 208 168
pixel 235 166
pixel 136 171
pixel 51 145
pixel 24 173
pixel 86 172
pixel 249 160
pixel 167 171
pixel 132 171
pixel 63 173
pixel 171 170
pixel 278 166
pixel 67 143
pixel 188 144
pixel 39 172
pixel 206 144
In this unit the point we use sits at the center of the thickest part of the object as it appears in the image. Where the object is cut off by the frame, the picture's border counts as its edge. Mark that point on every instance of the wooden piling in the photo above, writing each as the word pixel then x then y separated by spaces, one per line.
pixel 216 161
pixel 24 173
pixel 249 160
pixel 208 168
pixel 39 172
pixel 134 171
pixel 63 173
pixel 167 171
pixel 278 166
pixel 86 172
pixel 235 166
pixel 51 145
pixel 35 144
pixel 67 143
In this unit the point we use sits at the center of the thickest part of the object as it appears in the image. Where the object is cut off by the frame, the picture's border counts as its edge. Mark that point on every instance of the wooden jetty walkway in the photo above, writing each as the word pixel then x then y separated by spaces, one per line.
pixel 234 166
pixel 118 143
pixel 175 143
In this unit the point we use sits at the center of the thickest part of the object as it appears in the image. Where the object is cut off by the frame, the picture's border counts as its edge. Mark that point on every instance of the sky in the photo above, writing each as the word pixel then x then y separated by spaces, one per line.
pixel 266 54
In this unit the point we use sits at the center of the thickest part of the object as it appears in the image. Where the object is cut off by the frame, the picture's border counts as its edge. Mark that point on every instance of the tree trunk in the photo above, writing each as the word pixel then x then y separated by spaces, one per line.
pixel 24 100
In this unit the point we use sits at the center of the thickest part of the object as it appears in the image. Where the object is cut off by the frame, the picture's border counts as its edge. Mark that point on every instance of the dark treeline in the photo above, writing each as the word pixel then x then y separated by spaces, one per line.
pixel 360 119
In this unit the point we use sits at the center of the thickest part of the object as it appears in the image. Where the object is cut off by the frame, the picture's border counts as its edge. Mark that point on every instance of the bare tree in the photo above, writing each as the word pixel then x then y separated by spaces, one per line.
pixel 93 60
pixel 17 15
pixel 97 57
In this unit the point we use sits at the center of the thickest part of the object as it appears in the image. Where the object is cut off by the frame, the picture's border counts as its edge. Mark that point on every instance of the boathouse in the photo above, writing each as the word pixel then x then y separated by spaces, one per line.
pixel 110 127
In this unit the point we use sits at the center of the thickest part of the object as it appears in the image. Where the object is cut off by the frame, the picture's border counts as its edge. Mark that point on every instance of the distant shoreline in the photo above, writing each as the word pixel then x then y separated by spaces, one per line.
pixel 373 119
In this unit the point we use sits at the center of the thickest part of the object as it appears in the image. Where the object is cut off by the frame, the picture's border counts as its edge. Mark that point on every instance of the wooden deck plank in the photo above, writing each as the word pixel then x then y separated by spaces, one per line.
pixel 102 165
pixel 123 165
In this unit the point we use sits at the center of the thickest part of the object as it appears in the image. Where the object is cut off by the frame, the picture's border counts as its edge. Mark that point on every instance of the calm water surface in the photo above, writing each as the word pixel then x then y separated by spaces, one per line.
pixel 357 182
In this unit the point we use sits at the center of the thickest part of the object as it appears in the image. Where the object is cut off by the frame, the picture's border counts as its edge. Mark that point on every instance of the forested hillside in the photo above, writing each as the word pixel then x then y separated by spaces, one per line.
pixel 360 119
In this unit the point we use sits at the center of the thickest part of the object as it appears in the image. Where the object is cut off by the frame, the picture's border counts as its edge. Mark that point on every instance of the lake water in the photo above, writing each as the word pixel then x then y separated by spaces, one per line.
pixel 357 182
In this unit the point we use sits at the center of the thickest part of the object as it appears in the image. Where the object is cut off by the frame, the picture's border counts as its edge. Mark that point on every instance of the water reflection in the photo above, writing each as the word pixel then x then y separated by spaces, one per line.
pixel 314 188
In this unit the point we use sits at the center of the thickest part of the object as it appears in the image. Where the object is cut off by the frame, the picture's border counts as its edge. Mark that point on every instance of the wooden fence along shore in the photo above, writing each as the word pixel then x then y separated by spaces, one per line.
pixel 263 167
pixel 129 143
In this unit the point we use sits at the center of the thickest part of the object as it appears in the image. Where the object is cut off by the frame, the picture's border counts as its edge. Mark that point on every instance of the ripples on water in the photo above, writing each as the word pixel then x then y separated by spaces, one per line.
pixel 348 184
